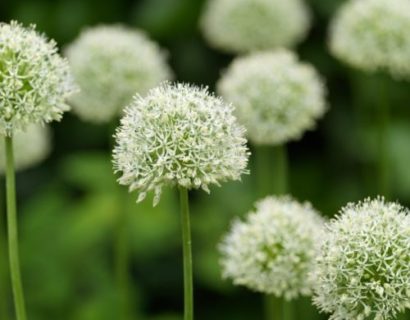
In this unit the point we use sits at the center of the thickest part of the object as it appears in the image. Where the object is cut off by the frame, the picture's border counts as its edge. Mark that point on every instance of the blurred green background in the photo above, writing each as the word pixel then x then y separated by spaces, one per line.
pixel 69 204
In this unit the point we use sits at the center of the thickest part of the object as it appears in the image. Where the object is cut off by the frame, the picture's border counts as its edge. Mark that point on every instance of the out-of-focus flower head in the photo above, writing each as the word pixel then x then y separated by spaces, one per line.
pixel 277 98
pixel 273 249
pixel 248 25
pixel 111 64
pixel 373 35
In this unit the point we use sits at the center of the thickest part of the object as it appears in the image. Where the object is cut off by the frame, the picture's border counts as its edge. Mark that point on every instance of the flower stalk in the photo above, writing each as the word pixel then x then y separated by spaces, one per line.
pixel 383 137
pixel 122 262
pixel 187 255
pixel 12 232
pixel 272 168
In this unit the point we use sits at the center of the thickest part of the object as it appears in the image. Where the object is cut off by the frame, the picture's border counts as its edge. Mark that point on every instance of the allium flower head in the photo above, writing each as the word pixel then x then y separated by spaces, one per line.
pixel 178 135
pixel 373 35
pixel 34 79
pixel 111 64
pixel 273 250
pixel 277 98
pixel 363 270
pixel 248 25
pixel 30 146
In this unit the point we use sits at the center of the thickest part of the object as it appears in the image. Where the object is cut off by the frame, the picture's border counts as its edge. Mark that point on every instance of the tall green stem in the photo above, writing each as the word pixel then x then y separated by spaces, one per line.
pixel 273 307
pixel 383 133
pixel 187 253
pixel 272 175
pixel 122 261
pixel 3 268
pixel 272 170
pixel 12 232
pixel 287 310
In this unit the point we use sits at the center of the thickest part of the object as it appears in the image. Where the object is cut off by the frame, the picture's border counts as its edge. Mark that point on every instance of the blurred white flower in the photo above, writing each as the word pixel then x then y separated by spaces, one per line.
pixel 178 135
pixel 30 146
pixel 273 250
pixel 363 269
pixel 373 35
pixel 277 98
pixel 248 25
pixel 34 80
pixel 111 64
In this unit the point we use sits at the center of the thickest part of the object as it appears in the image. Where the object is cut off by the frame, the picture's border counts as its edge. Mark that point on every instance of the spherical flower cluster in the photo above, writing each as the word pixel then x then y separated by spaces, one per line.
pixel 363 270
pixel 273 250
pixel 178 135
pixel 111 64
pixel 34 80
pixel 277 98
pixel 30 146
pixel 373 35
pixel 248 25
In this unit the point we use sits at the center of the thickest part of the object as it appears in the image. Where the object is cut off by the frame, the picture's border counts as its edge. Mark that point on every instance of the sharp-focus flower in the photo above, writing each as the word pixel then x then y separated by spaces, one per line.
pixel 178 135
pixel 30 147
pixel 273 250
pixel 34 79
pixel 373 35
pixel 277 98
pixel 363 270
pixel 248 25
pixel 111 64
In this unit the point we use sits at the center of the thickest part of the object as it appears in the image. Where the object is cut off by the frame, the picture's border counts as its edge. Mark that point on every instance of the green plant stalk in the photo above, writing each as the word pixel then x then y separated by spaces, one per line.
pixel 288 310
pixel 187 255
pixel 272 172
pixel 122 261
pixel 273 307
pixel 12 232
pixel 383 143
pixel 3 271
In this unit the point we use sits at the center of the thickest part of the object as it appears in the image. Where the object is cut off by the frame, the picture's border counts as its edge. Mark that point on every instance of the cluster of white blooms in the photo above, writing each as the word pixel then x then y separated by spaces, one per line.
pixel 373 35
pixel 178 135
pixel 30 146
pixel 111 64
pixel 248 25
pixel 277 98
pixel 363 270
pixel 34 80
pixel 273 250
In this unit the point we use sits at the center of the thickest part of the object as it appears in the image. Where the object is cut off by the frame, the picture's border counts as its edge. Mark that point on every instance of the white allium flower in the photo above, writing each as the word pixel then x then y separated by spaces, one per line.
pixel 277 98
pixel 34 79
pixel 30 146
pixel 273 250
pixel 111 64
pixel 363 270
pixel 248 25
pixel 373 35
pixel 178 135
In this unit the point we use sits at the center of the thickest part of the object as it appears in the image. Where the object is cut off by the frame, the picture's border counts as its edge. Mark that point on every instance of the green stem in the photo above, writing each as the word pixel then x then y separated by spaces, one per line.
pixel 3 269
pixel 12 232
pixel 272 170
pixel 273 307
pixel 288 311
pixel 187 253
pixel 280 170
pixel 122 261
pixel 383 132
pixel 3 286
